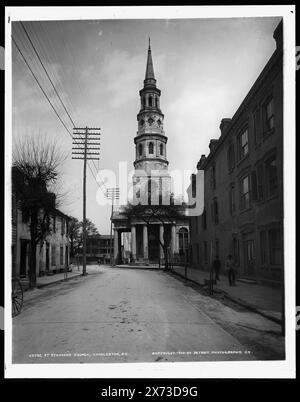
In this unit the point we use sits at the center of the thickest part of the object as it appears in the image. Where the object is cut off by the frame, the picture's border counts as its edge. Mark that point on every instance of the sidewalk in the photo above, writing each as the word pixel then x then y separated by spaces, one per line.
pixel 49 280
pixel 262 299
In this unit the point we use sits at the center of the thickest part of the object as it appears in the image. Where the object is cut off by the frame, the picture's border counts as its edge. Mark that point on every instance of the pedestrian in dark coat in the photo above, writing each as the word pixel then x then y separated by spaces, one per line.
pixel 229 267
pixel 217 266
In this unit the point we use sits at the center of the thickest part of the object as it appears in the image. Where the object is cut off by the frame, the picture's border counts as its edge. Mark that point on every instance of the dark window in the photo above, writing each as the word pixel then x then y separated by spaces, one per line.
pixel 243 146
pixel 275 246
pixel 161 149
pixel 144 101
pixel 244 193
pixel 140 149
pixel 271 176
pixel 268 115
pixel 151 148
pixel 213 176
pixel 150 101
pixel 231 157
pixel 232 199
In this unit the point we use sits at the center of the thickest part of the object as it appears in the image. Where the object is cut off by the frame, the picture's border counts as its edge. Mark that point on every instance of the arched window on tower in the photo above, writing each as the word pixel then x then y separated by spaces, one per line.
pixel 151 148
pixel 140 149
pixel 156 102
pixel 144 101
pixel 150 101
pixel 161 149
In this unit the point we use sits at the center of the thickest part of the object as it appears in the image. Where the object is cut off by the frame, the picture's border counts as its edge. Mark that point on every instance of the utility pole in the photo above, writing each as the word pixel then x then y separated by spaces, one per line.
pixel 85 141
pixel 112 193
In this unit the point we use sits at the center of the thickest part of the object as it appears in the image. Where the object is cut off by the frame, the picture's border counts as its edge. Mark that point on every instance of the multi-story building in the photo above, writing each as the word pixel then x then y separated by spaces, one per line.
pixel 52 256
pixel 99 248
pixel 243 183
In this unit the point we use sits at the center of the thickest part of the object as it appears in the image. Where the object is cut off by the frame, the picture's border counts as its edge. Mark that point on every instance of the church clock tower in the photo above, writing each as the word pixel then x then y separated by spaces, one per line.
pixel 150 141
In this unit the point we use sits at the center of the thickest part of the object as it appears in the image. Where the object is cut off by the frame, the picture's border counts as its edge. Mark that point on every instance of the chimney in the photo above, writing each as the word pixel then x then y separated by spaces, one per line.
pixel 201 162
pixel 224 123
pixel 212 144
pixel 278 35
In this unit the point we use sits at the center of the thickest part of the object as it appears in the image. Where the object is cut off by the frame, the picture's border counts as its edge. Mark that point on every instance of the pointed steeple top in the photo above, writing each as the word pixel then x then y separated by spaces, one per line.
pixel 149 76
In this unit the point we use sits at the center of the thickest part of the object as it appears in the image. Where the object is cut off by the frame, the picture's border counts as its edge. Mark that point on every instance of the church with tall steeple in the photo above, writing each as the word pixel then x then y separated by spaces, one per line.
pixel 151 185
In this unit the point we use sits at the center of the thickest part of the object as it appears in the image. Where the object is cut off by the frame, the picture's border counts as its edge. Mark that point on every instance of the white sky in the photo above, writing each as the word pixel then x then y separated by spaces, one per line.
pixel 204 68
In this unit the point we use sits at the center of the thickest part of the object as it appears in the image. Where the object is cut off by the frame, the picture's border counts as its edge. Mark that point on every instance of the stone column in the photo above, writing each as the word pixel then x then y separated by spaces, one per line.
pixel 133 243
pixel 161 238
pixel 116 246
pixel 145 243
pixel 173 239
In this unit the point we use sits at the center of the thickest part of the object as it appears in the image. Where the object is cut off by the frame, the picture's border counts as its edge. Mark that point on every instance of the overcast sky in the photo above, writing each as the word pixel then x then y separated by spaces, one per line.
pixel 204 68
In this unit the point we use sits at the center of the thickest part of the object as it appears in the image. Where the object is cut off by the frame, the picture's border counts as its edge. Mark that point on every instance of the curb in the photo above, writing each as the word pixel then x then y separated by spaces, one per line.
pixel 42 285
pixel 235 300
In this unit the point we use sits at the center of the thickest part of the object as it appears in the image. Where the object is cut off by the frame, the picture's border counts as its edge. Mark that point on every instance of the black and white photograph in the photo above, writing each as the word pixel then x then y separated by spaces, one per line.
pixel 149 193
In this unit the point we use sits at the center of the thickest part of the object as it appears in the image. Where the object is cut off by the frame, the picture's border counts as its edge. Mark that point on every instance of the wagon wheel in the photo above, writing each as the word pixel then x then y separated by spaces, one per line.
pixel 17 297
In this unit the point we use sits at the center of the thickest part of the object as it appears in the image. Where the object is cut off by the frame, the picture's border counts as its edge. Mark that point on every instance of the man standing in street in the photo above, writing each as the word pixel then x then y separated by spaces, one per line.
pixel 217 266
pixel 230 270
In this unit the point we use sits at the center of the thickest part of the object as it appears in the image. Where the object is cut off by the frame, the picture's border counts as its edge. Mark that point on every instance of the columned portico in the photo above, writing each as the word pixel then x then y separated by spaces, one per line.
pixel 145 243
pixel 133 242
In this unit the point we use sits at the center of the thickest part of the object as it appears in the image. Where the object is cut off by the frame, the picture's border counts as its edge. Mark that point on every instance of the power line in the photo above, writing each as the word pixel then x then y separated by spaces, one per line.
pixel 40 86
pixel 34 76
pixel 47 74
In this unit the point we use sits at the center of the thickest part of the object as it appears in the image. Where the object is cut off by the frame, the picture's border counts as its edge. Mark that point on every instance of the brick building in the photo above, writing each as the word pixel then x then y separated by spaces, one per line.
pixel 243 183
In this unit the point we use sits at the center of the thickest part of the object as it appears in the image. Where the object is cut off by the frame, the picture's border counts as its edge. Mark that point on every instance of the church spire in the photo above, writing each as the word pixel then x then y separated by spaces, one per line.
pixel 149 76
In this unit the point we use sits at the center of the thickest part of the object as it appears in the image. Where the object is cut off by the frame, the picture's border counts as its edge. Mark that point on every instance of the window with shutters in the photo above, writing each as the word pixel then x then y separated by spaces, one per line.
pixel 268 112
pixel 61 255
pixel 245 193
pixel 243 145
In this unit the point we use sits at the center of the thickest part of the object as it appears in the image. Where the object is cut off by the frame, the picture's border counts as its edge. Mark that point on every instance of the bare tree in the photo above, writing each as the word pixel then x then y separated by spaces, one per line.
pixel 35 170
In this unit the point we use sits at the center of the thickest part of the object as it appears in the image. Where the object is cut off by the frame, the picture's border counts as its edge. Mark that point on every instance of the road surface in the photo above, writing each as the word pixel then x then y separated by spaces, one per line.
pixel 119 315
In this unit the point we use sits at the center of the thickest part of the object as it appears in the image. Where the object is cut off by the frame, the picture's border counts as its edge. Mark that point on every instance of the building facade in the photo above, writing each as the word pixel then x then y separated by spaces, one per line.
pixel 99 248
pixel 52 256
pixel 243 183
pixel 151 184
